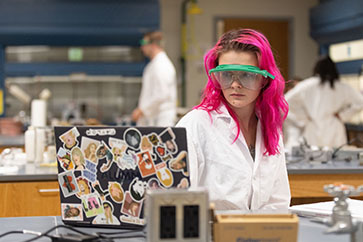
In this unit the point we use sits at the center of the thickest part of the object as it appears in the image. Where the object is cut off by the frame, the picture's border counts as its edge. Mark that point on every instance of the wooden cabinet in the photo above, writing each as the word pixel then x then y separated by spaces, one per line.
pixel 309 188
pixel 38 198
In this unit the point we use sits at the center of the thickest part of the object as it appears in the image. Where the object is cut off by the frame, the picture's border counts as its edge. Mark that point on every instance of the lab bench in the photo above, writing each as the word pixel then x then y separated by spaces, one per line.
pixel 7 141
pixel 30 191
pixel 33 190
pixel 307 230
pixel 307 179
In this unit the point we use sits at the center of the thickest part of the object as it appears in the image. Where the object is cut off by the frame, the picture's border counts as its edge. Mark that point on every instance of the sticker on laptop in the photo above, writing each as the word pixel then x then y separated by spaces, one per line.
pixel 146 164
pixel 84 187
pixel 116 192
pixel 153 184
pixel 90 176
pixel 123 159
pixel 132 138
pixel 72 212
pixel 107 217
pixel 89 147
pixel 104 152
pixel 137 189
pixel 92 205
pixel 164 175
pixel 64 159
pixel 100 191
pixel 180 163
pixel 131 207
pixel 183 184
pixel 68 183
pixel 146 145
pixel 168 139
pixel 77 158
pixel 154 139
pixel 69 138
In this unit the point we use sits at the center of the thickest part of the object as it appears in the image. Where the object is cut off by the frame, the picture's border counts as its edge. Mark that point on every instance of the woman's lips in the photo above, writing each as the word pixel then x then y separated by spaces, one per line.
pixel 237 95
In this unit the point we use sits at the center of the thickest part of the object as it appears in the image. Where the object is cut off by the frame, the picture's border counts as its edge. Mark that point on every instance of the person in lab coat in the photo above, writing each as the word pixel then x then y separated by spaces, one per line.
pixel 157 101
pixel 235 134
pixel 319 106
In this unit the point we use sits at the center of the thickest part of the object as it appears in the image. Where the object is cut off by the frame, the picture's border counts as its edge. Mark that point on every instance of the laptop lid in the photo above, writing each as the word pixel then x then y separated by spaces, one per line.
pixel 103 172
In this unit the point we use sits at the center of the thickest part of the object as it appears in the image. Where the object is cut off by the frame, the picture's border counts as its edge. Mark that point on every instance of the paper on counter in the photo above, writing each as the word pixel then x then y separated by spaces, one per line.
pixel 324 209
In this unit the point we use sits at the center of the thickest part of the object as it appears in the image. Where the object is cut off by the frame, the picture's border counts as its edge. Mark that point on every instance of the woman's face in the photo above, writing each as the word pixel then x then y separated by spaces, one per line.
pixel 107 210
pixel 115 191
pixel 77 159
pixel 82 187
pixel 92 148
pixel 117 152
pixel 236 95
pixel 70 140
pixel 74 211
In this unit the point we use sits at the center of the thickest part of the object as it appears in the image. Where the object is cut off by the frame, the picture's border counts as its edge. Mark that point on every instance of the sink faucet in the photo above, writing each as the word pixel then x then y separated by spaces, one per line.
pixel 341 220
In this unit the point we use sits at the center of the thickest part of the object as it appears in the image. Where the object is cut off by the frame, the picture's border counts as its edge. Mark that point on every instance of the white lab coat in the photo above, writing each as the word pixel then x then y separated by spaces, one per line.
pixel 227 170
pixel 158 93
pixel 312 109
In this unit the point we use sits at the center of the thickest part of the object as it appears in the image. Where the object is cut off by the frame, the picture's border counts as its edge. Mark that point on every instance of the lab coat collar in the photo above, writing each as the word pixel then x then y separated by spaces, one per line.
pixel 158 56
pixel 222 112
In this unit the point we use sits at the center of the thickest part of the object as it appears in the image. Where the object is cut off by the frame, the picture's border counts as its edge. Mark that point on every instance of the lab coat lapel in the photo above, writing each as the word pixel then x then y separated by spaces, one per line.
pixel 232 129
pixel 241 142
pixel 259 146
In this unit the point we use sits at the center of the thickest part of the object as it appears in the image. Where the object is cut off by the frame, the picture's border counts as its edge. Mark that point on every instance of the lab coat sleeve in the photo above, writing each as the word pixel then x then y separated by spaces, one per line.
pixel 281 196
pixel 161 82
pixel 195 154
pixel 297 115
pixel 353 103
pixel 297 118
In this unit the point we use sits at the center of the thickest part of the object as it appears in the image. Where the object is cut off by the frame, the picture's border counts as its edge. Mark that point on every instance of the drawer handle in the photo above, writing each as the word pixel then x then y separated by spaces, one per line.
pixel 49 190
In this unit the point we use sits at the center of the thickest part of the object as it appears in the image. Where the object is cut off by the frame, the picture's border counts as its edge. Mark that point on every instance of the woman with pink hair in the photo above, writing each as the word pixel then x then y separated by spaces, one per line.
pixel 235 134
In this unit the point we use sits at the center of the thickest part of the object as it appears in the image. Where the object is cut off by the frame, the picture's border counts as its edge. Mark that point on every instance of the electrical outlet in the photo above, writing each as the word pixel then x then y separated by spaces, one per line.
pixel 191 221
pixel 167 222
pixel 177 215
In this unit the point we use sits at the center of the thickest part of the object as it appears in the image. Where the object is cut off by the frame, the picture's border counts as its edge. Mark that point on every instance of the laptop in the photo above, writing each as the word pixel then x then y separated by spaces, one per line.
pixel 104 172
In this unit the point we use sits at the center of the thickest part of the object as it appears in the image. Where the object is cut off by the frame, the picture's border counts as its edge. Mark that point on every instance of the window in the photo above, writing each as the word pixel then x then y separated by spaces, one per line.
pixel 346 51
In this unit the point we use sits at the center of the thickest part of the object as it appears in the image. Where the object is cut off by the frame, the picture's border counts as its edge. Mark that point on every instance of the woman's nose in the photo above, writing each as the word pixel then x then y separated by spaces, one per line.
pixel 235 82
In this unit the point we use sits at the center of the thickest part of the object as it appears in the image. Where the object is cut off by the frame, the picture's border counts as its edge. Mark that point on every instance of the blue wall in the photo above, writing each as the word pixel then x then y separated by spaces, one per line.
pixel 336 21
pixel 74 23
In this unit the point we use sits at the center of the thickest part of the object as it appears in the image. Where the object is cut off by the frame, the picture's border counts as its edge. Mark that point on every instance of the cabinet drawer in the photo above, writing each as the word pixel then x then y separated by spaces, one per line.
pixel 29 199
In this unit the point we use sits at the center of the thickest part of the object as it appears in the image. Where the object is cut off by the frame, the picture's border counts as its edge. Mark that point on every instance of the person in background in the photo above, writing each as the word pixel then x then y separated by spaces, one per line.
pixel 235 134
pixel 157 101
pixel 319 106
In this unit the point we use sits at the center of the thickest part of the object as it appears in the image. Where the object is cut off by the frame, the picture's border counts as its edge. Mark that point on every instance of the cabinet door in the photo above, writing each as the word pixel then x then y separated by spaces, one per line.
pixel 19 199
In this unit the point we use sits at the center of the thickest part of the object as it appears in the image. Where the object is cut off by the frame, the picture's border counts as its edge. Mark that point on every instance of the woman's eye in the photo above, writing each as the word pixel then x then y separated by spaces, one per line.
pixel 248 76
pixel 227 75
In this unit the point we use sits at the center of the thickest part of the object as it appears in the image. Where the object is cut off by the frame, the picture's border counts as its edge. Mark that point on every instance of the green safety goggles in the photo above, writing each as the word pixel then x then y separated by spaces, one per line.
pixel 250 77
pixel 144 42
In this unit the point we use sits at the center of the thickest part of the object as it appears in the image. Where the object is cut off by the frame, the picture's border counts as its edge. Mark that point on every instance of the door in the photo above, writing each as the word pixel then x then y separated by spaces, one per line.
pixel 276 31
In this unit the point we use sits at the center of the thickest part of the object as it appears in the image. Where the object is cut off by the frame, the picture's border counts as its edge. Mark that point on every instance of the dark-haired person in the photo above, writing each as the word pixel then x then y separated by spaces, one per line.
pixel 235 134
pixel 318 107
pixel 157 101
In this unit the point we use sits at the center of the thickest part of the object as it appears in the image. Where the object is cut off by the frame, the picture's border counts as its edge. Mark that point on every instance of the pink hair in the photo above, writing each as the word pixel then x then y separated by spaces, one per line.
pixel 271 106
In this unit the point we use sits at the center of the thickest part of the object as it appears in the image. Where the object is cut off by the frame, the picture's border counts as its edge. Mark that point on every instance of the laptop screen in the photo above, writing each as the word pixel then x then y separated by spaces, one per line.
pixel 103 172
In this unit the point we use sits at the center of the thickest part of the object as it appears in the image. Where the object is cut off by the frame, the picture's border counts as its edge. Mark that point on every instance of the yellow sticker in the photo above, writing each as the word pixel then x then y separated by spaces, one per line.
pixel 1 102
